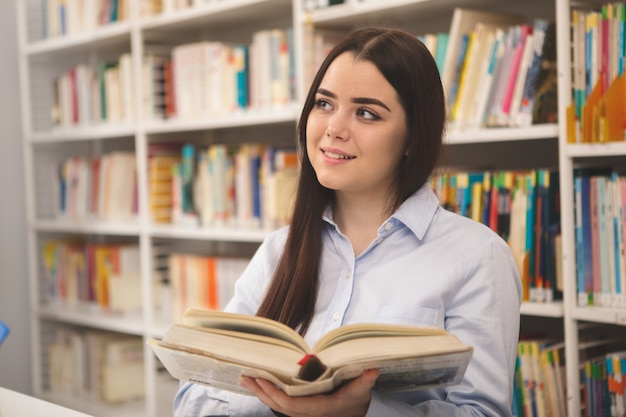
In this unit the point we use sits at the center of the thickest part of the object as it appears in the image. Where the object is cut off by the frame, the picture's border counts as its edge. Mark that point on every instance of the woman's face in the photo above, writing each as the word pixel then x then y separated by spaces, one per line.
pixel 356 131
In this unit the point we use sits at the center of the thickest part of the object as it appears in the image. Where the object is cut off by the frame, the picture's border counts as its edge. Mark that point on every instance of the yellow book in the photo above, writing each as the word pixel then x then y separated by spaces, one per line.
pixel 463 76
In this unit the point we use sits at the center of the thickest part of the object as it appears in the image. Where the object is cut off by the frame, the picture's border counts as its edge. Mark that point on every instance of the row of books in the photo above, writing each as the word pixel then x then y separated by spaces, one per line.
pixel 197 281
pixel 96 188
pixel 105 278
pixel 539 387
pixel 603 385
pixel 194 81
pixel 71 17
pixel 250 186
pixel 210 78
pixel 94 277
pixel 98 365
pixel 600 208
pixel 88 95
pixel 598 112
pixel 503 73
pixel 153 7
pixel 523 208
pixel 245 186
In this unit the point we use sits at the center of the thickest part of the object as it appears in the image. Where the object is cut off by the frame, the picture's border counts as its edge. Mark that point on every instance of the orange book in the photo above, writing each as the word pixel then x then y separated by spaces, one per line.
pixel 212 290
pixel 612 113
pixel 570 119
pixel 588 112
pixel 103 269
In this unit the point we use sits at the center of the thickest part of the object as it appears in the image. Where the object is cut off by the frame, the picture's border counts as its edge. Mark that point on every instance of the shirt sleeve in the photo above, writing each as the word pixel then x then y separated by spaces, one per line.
pixel 483 313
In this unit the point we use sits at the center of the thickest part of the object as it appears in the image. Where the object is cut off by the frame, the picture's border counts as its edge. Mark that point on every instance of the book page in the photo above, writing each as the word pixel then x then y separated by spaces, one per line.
pixel 368 349
pixel 256 351
pixel 368 330
pixel 244 324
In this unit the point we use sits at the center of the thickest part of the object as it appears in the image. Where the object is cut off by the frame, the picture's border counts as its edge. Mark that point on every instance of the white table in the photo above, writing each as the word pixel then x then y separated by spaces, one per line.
pixel 15 404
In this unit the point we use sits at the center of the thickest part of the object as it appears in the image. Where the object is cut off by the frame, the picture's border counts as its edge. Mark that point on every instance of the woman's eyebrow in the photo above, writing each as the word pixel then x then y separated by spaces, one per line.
pixel 374 101
pixel 358 100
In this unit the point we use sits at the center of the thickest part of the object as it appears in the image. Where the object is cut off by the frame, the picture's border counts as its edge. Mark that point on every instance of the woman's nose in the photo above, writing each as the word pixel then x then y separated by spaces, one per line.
pixel 337 128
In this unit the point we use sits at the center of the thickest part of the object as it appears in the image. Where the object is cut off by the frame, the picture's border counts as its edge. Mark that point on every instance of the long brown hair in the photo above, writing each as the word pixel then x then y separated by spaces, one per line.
pixel 409 67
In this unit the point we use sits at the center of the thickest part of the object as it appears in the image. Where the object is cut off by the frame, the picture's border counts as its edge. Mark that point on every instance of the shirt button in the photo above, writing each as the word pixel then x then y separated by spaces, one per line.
pixel 348 274
pixel 388 226
pixel 336 316
pixel 378 240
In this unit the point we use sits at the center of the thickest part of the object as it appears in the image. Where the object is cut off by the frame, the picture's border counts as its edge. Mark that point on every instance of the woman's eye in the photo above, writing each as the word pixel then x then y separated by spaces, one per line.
pixel 322 104
pixel 367 114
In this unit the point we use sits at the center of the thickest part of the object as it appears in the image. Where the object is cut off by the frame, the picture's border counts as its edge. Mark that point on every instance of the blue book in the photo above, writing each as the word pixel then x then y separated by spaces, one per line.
pixel 440 52
pixel 578 233
pixel 604 240
pixel 587 254
pixel 255 162
pixel 457 70
pixel 240 53
pixel 618 235
pixel 187 174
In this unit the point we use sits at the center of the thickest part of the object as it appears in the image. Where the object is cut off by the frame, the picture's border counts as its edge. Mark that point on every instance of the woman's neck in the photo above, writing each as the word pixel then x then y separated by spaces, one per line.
pixel 359 219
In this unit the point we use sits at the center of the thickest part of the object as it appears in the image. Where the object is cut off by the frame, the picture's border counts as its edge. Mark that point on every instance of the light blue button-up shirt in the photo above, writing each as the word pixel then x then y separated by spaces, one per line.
pixel 427 266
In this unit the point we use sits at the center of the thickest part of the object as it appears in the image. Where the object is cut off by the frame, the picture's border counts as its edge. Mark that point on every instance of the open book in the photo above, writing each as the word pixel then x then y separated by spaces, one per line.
pixel 216 348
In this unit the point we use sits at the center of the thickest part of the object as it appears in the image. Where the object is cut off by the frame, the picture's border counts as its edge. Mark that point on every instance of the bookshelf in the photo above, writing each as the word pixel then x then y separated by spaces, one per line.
pixel 42 60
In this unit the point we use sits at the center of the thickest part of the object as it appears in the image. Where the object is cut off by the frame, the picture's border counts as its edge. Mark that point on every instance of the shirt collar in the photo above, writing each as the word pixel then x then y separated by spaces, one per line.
pixel 416 213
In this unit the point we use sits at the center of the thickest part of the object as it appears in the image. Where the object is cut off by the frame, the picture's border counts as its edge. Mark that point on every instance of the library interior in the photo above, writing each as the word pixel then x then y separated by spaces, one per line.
pixel 151 146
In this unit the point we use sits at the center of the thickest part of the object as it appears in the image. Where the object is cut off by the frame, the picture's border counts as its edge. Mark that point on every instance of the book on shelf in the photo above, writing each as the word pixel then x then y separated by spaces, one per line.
pixel 101 365
pixel 582 229
pixel 475 66
pixel 463 23
pixel 206 282
pixel 507 64
pixel 484 83
pixel 216 348
pixel 599 231
pixel 523 33
pixel 162 158
pixel 520 79
pixel 542 60
pixel 539 387
pixel 597 110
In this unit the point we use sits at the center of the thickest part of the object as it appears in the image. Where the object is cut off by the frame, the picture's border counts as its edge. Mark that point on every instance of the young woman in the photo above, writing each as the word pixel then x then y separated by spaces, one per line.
pixel 370 243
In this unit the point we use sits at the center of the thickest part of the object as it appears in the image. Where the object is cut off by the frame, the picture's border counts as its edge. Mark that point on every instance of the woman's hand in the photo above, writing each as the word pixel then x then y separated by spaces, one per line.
pixel 351 400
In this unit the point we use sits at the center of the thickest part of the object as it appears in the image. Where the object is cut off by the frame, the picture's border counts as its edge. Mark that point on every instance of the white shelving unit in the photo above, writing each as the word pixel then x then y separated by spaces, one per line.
pixel 235 20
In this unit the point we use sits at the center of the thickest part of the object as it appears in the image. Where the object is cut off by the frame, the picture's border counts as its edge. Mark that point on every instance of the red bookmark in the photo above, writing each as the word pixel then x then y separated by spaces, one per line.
pixel 305 359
